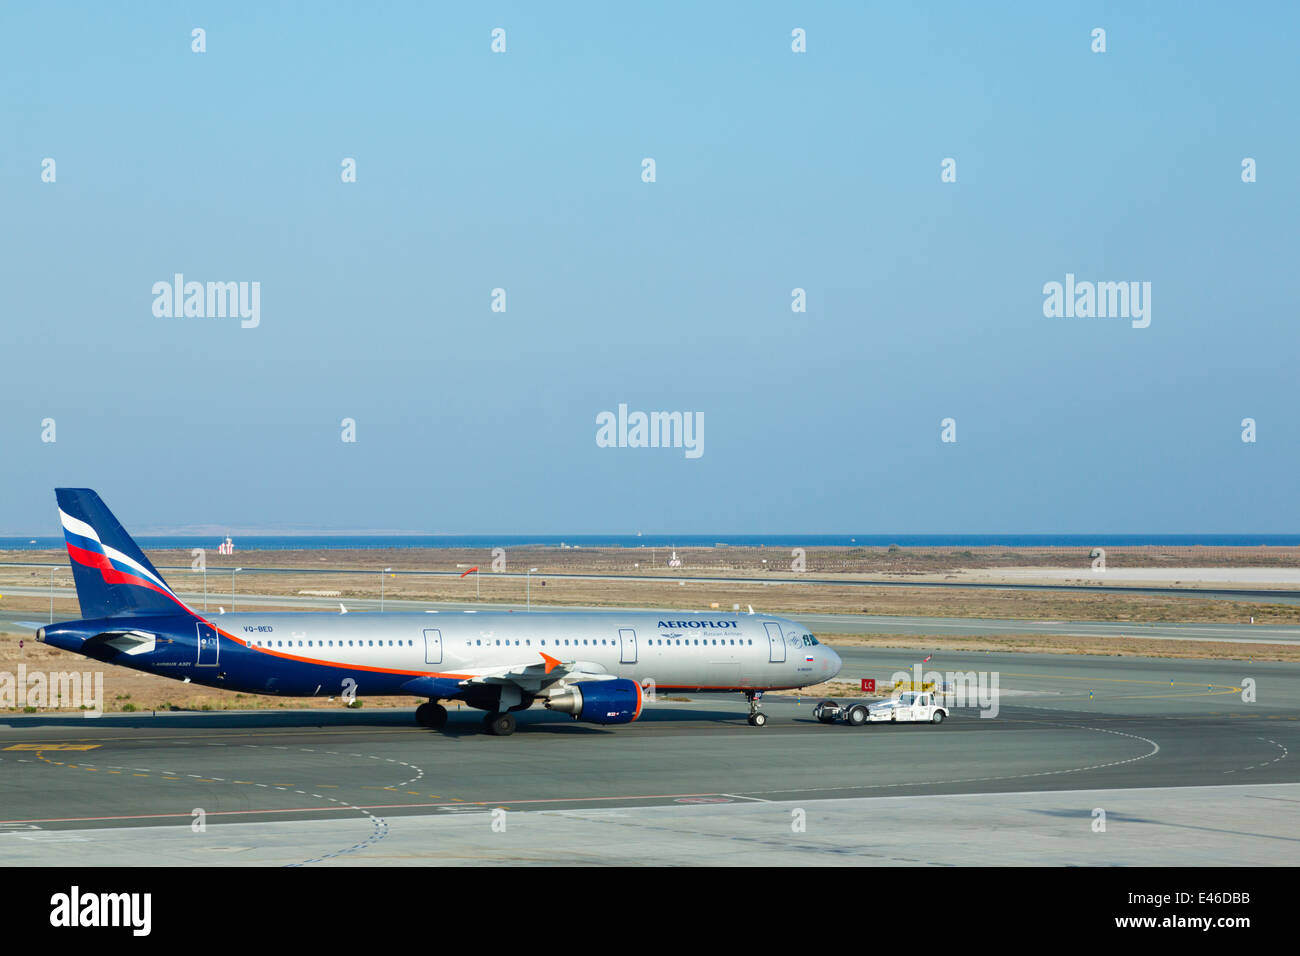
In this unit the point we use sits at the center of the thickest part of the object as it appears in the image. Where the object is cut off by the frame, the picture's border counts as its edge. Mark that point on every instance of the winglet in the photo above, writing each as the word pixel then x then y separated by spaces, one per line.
pixel 551 662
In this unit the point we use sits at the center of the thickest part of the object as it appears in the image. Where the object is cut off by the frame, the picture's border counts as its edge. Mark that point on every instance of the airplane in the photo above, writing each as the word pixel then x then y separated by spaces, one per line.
pixel 594 666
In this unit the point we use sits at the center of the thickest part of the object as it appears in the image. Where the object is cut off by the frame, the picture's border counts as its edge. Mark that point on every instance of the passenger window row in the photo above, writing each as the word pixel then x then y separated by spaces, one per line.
pixel 611 643
pixel 526 642
pixel 331 644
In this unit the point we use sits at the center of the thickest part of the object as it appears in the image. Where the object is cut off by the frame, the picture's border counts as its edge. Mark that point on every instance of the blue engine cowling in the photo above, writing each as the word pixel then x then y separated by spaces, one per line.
pixel 600 701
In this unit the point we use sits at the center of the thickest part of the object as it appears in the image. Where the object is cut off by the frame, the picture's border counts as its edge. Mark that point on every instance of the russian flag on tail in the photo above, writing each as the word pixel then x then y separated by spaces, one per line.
pixel 112 575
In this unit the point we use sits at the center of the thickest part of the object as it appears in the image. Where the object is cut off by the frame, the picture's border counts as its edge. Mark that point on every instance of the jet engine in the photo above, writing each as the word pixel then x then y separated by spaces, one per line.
pixel 599 701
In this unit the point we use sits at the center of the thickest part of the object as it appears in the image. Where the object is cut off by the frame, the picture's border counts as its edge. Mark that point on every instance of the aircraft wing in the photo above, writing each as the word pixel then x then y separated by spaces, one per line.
pixel 532 677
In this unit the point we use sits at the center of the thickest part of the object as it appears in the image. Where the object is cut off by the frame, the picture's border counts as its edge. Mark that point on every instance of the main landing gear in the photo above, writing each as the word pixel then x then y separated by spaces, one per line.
pixel 756 716
pixel 501 725
pixel 432 715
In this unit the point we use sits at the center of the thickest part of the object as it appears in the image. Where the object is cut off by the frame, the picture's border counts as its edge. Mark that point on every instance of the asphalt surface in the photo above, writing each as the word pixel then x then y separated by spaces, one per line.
pixel 339 786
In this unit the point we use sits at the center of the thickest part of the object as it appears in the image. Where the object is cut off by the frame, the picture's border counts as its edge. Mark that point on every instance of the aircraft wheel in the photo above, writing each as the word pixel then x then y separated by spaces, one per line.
pixel 502 725
pixel 434 718
pixel 758 720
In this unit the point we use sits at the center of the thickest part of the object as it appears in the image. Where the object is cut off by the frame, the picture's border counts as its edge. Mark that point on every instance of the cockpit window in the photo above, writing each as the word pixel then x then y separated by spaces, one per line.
pixel 809 640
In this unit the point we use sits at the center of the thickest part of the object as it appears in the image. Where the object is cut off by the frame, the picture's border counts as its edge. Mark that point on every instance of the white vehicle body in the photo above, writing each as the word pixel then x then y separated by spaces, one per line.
pixel 908 707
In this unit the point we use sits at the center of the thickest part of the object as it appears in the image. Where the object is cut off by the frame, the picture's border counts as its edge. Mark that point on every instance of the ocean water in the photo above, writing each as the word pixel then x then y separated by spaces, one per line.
pixel 290 542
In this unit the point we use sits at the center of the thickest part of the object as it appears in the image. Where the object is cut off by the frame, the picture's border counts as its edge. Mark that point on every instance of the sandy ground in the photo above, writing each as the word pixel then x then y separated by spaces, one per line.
pixel 674 592
pixel 1163 577
pixel 724 561
pixel 127 690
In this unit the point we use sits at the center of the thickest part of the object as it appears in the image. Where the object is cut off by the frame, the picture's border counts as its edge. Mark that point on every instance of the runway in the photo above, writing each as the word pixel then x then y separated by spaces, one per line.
pixel 1160 743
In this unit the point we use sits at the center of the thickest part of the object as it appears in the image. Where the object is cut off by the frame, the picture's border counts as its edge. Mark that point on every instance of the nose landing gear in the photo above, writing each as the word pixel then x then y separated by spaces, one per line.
pixel 432 715
pixel 756 716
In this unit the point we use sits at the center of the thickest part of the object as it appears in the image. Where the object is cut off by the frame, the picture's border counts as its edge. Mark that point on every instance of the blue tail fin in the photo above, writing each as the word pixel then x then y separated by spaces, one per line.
pixel 112 575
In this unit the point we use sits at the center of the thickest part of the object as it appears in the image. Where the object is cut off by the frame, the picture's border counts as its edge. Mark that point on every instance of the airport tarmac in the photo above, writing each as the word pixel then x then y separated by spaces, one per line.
pixel 1185 768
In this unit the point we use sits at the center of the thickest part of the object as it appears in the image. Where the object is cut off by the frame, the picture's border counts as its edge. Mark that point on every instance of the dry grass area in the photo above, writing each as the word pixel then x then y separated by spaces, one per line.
pixel 726 561
pixel 671 592
pixel 832 688
pixel 127 691
pixel 752 560
pixel 1064 644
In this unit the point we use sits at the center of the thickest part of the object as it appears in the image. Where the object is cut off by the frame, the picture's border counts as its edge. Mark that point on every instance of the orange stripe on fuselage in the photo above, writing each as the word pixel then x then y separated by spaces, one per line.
pixel 325 663
pixel 392 670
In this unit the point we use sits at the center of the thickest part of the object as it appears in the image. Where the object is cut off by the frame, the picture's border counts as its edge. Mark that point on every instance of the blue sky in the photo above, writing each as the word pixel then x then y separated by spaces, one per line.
pixel 775 170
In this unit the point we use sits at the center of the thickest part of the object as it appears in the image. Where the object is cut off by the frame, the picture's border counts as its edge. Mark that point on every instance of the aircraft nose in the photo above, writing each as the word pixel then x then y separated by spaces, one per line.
pixel 832 662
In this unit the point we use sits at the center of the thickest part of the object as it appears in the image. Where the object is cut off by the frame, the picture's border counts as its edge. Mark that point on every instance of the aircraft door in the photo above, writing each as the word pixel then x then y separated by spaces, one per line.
pixel 775 642
pixel 209 645
pixel 432 645
pixel 627 645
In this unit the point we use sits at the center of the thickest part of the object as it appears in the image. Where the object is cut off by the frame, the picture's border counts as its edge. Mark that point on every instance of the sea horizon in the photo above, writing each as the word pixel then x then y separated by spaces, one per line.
pixel 332 542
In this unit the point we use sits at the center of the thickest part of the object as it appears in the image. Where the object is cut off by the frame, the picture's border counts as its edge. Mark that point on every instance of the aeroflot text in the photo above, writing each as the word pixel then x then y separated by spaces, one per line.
pixel 653 430
pixel 672 624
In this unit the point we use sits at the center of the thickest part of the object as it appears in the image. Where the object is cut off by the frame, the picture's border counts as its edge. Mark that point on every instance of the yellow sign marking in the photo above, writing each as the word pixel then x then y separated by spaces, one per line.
pixel 53 747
